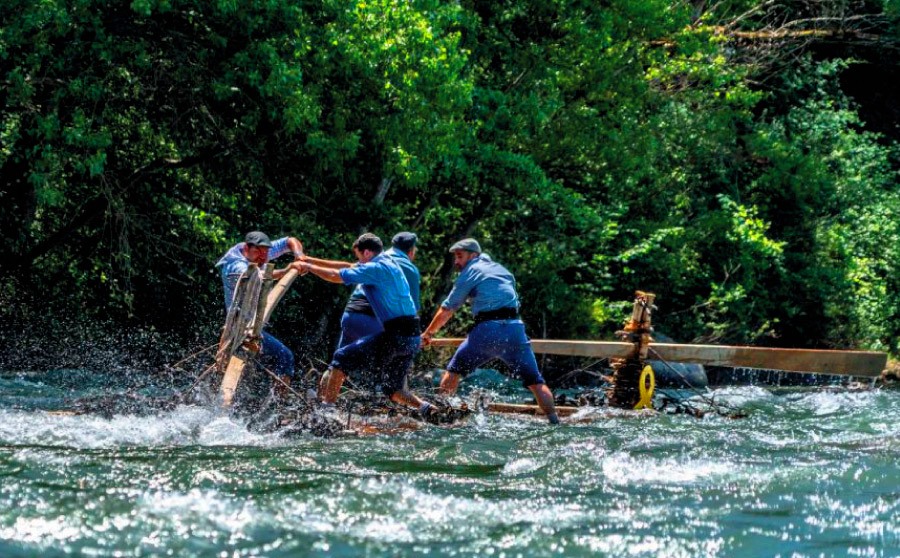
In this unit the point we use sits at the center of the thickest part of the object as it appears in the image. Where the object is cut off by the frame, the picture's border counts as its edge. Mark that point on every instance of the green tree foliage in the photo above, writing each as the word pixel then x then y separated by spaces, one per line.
pixel 594 148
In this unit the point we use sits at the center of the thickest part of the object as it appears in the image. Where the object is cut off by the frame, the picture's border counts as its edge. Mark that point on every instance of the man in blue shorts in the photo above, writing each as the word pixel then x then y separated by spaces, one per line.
pixel 258 249
pixel 389 352
pixel 359 319
pixel 498 331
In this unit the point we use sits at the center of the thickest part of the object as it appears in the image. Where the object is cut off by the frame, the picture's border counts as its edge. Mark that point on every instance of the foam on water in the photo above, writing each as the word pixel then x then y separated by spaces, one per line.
pixel 185 425
pixel 808 473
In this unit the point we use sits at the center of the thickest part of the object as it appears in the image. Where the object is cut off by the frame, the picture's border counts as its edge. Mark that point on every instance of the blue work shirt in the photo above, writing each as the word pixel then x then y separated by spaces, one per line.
pixel 384 286
pixel 234 264
pixel 410 271
pixel 489 285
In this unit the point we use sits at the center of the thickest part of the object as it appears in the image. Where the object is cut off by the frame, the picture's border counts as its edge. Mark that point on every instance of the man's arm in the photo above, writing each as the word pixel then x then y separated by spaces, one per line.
pixel 284 246
pixel 441 317
pixel 296 247
pixel 328 274
pixel 328 264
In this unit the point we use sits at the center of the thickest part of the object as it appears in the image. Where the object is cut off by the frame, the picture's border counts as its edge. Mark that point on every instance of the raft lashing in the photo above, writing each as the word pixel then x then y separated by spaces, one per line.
pixel 633 381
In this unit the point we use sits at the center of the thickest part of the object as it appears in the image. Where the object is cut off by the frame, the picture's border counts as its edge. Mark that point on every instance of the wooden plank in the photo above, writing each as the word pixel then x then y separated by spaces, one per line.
pixel 278 292
pixel 594 349
pixel 262 303
pixel 847 363
pixel 511 408
pixel 231 378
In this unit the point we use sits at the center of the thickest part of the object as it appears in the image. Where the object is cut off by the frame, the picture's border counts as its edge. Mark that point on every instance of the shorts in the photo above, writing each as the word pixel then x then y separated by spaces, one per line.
pixel 500 339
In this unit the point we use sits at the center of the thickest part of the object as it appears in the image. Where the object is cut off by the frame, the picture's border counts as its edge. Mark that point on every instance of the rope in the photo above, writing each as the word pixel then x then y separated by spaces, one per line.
pixel 278 379
pixel 194 355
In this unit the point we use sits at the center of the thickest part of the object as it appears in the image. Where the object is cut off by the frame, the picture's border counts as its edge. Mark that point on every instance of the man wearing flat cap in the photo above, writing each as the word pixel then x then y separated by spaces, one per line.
pixel 498 332
pixel 359 319
pixel 258 249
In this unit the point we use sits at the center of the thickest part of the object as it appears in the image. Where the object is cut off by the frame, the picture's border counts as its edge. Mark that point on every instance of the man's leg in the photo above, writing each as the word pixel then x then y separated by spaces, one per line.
pixel 519 355
pixel 395 359
pixel 406 397
pixel 330 385
pixel 355 326
pixel 449 383
pixel 277 356
pixel 352 358
pixel 474 351
pixel 545 401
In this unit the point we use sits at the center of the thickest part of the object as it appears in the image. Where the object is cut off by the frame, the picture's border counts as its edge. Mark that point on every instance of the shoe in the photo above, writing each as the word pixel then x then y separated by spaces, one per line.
pixel 430 413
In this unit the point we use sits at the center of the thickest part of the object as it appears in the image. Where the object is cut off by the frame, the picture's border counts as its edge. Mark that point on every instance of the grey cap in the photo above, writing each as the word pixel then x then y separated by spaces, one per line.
pixel 404 241
pixel 257 238
pixel 467 244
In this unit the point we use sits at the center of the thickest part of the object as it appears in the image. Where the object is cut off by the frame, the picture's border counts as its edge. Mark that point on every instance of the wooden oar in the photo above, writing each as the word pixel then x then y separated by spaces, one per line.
pixel 845 363
pixel 277 293
pixel 237 364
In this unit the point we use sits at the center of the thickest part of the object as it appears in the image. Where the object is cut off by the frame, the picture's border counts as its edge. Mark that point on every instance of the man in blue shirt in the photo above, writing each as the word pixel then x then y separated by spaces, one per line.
pixel 390 352
pixel 258 249
pixel 359 319
pixel 498 331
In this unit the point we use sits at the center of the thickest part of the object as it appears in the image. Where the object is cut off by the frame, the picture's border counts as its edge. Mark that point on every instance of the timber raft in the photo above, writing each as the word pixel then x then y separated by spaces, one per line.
pixel 632 382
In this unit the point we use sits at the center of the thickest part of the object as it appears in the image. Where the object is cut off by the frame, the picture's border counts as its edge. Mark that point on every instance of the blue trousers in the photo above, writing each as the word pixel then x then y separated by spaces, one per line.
pixel 355 326
pixel 275 356
pixel 500 339
pixel 385 355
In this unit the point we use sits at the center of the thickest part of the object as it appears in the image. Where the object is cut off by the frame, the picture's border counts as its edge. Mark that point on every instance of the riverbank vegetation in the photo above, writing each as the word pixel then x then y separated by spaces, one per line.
pixel 738 158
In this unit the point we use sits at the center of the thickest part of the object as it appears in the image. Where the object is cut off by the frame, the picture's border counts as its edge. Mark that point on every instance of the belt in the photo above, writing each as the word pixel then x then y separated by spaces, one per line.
pixel 507 313
pixel 406 326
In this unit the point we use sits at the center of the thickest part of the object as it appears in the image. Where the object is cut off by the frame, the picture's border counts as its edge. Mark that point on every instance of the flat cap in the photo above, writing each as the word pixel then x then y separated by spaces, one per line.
pixel 257 238
pixel 404 241
pixel 467 244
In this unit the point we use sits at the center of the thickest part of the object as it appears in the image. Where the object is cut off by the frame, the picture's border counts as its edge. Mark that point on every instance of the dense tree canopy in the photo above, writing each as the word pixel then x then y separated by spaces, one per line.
pixel 738 158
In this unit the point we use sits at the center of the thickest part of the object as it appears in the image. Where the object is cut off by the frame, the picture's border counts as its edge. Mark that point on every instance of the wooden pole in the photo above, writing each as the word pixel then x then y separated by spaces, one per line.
pixel 277 292
pixel 510 408
pixel 845 363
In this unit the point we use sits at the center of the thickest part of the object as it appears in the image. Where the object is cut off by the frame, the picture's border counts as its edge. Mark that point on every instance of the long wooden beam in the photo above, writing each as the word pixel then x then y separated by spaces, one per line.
pixel 519 409
pixel 846 363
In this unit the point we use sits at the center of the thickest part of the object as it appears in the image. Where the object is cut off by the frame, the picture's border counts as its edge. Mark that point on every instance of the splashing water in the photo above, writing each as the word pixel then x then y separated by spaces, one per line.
pixel 810 473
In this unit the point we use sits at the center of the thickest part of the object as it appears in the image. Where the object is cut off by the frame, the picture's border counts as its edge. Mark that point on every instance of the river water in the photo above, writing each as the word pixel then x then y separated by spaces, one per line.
pixel 810 472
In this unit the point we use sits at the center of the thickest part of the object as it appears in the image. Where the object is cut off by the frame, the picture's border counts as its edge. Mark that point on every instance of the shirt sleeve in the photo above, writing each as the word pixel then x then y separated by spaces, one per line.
pixel 279 248
pixel 461 289
pixel 361 274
